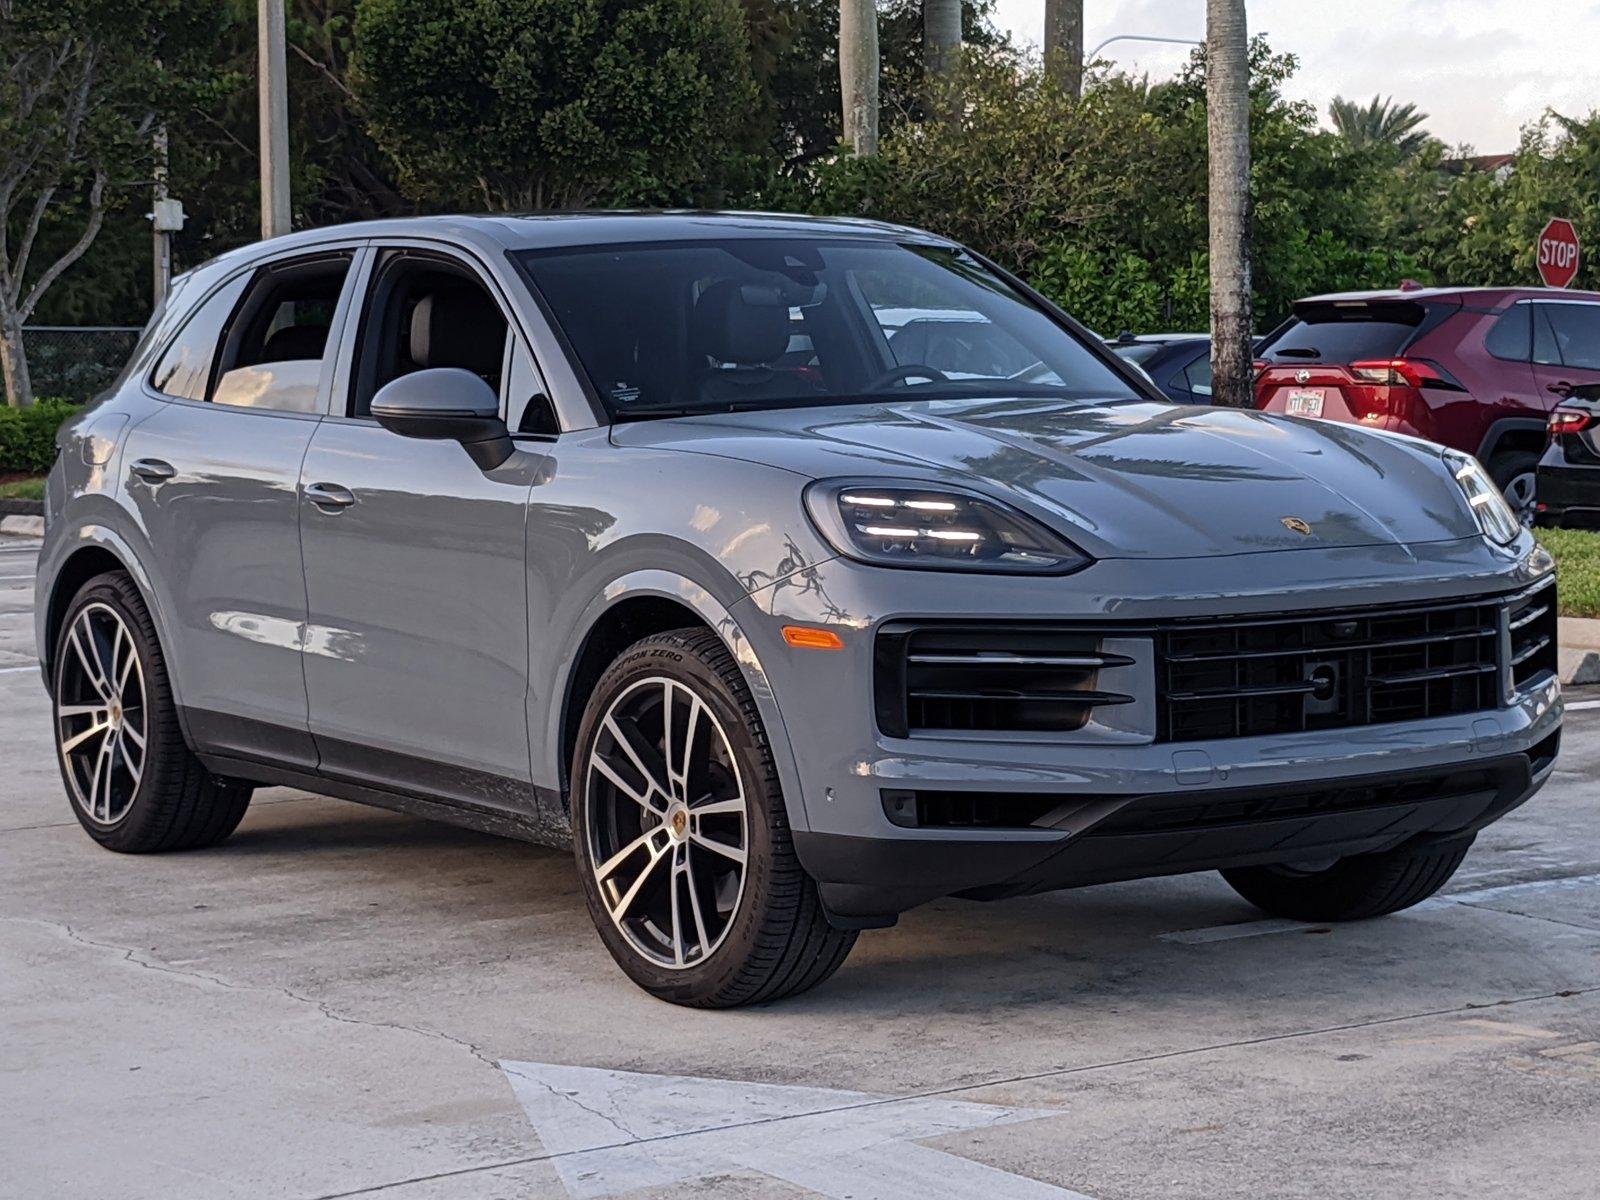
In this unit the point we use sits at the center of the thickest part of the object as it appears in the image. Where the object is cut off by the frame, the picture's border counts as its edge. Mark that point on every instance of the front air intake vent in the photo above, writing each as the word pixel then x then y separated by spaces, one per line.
pixel 990 679
pixel 1532 619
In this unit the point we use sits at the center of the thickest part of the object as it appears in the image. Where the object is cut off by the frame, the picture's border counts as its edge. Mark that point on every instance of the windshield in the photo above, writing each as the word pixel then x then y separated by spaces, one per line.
pixel 1345 333
pixel 667 329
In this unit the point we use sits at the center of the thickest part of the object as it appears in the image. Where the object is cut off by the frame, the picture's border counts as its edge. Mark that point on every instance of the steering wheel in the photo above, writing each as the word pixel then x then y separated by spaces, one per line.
pixel 909 371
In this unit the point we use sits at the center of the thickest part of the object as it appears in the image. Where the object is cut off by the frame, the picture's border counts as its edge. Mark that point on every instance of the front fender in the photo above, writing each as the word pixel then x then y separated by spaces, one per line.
pixel 722 617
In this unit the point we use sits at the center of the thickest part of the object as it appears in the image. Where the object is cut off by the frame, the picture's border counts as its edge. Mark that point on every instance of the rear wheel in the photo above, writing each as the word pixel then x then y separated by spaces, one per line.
pixel 1515 473
pixel 1350 889
pixel 681 839
pixel 133 782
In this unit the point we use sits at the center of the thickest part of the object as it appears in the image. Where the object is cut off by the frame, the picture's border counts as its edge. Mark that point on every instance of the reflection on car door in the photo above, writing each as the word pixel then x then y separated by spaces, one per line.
pixel 213 483
pixel 416 661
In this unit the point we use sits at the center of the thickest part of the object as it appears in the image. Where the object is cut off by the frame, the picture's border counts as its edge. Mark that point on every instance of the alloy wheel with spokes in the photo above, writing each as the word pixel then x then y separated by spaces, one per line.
pixel 667 822
pixel 102 714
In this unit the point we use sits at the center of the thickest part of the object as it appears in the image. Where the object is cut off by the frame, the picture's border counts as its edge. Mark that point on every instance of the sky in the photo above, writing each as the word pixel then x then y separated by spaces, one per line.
pixel 1481 69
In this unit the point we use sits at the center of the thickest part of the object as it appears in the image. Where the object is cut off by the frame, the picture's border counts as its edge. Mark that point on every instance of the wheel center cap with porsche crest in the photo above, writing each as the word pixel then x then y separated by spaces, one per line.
pixel 1297 525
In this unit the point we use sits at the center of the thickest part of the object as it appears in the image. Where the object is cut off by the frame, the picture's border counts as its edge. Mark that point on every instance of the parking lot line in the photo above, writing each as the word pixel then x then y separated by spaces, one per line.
pixel 1579 705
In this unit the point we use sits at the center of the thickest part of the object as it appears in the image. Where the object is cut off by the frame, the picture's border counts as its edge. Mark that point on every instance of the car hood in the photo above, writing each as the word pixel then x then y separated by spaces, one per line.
pixel 1121 479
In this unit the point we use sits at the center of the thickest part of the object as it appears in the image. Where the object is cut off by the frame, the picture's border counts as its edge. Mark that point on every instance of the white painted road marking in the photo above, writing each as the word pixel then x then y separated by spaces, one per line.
pixel 1244 929
pixel 1580 705
pixel 611 1132
pixel 24 667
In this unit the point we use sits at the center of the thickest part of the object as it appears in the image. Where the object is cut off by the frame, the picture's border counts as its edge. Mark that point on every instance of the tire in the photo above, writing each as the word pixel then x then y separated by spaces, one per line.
pixel 685 931
pixel 1516 473
pixel 1352 889
pixel 130 799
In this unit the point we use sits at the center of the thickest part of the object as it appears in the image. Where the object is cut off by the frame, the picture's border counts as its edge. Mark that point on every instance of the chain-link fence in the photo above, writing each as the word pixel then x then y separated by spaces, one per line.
pixel 75 362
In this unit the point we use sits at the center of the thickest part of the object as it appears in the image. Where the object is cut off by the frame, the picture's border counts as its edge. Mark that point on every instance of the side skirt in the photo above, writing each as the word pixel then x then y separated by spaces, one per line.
pixel 484 819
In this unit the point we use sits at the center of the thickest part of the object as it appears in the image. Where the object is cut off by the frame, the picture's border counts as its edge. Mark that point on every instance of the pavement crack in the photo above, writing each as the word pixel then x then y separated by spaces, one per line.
pixel 572 1099
pixel 133 956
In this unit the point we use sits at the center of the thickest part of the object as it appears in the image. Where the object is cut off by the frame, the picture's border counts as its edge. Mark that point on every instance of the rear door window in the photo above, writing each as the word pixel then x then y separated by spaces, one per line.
pixel 1340 333
pixel 1575 330
pixel 272 355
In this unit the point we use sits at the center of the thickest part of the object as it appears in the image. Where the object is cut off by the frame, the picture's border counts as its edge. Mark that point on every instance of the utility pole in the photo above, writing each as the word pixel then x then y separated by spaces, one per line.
pixel 274 99
pixel 858 73
pixel 1063 44
pixel 161 264
pixel 941 36
pixel 1228 132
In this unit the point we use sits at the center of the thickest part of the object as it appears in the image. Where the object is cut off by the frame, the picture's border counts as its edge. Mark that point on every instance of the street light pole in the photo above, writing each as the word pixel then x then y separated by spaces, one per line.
pixel 274 100
pixel 1136 37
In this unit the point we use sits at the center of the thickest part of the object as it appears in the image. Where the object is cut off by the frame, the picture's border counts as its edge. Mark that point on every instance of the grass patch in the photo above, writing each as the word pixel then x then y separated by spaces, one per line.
pixel 1577 554
pixel 30 488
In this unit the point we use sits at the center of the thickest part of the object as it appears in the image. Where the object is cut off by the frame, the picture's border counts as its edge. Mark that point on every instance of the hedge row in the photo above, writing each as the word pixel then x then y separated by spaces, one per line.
pixel 28 435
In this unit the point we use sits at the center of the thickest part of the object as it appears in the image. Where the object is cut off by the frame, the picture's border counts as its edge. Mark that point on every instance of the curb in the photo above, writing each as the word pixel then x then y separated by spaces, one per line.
pixel 21 508
pixel 22 526
pixel 1579 650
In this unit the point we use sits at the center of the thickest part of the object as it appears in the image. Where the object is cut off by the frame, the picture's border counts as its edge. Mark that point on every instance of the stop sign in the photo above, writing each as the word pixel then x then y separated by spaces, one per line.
pixel 1558 253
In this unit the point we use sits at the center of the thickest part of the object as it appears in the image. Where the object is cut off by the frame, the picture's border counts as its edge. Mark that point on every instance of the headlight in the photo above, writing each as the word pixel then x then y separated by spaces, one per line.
pixel 1495 518
pixel 936 528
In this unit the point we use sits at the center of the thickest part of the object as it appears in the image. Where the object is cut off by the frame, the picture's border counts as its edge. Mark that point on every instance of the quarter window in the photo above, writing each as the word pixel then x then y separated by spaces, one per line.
pixel 1198 373
pixel 273 352
pixel 1512 330
pixel 184 370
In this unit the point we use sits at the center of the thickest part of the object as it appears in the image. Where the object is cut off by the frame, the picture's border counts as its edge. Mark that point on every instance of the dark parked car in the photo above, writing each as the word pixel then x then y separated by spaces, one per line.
pixel 1569 473
pixel 1177 363
pixel 1478 369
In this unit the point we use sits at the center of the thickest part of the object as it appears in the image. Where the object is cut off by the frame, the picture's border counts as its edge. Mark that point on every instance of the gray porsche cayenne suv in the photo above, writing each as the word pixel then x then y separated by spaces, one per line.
pixel 795 571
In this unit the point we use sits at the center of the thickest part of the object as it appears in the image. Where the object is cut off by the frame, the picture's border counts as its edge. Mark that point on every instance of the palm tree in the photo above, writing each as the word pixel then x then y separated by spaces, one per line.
pixel 1381 123
pixel 1063 43
pixel 1228 133
pixel 858 73
pixel 941 36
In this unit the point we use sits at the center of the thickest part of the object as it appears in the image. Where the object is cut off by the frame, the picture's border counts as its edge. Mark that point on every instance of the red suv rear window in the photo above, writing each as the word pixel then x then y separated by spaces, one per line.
pixel 1343 333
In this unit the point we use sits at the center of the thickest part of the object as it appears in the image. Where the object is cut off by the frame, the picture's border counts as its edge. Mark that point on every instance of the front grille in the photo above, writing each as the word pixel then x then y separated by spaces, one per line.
pixel 1291 674
pixel 990 678
pixel 1218 678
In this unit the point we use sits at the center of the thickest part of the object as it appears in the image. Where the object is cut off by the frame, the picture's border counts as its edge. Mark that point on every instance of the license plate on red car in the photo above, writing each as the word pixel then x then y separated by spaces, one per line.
pixel 1304 402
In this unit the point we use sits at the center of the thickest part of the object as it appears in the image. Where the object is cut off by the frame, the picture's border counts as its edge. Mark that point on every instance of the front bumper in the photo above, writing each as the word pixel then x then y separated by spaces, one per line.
pixel 1120 804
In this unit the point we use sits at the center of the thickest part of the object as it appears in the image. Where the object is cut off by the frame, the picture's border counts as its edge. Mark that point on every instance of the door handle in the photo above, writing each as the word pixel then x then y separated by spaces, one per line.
pixel 153 470
pixel 1560 387
pixel 329 497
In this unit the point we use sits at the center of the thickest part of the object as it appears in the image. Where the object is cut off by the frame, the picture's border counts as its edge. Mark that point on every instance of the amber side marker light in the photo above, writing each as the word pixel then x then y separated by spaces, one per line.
pixel 803 637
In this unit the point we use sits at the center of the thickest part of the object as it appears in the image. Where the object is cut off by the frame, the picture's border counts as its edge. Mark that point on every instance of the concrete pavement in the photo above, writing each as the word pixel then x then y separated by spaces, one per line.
pixel 329 1003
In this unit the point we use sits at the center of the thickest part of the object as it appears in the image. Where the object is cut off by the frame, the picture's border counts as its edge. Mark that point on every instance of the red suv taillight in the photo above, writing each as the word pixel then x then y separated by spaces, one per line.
pixel 1405 372
pixel 1569 420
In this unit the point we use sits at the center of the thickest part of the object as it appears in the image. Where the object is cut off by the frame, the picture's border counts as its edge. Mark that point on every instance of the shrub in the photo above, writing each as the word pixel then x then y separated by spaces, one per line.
pixel 28 435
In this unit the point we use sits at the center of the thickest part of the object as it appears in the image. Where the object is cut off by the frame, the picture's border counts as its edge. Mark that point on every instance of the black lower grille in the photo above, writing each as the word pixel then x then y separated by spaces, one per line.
pixel 1286 674
pixel 990 678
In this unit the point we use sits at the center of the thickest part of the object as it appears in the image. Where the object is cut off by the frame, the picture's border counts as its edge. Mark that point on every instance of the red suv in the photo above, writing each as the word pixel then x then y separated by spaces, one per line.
pixel 1474 368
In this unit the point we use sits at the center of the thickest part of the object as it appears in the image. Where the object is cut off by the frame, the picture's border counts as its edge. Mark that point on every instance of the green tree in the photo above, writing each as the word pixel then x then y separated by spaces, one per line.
pixel 532 104
pixel 82 85
pixel 1380 123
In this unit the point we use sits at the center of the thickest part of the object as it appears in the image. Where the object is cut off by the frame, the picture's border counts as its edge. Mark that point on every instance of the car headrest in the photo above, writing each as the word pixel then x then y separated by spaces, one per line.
pixel 458 327
pixel 294 343
pixel 740 323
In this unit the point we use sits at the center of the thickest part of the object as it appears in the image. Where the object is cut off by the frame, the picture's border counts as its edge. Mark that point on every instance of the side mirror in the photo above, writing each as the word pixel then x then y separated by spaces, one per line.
pixel 447 404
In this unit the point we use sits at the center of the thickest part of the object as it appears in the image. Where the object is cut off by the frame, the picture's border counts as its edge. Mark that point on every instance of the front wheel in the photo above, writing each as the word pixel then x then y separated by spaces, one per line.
pixel 1350 889
pixel 680 835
